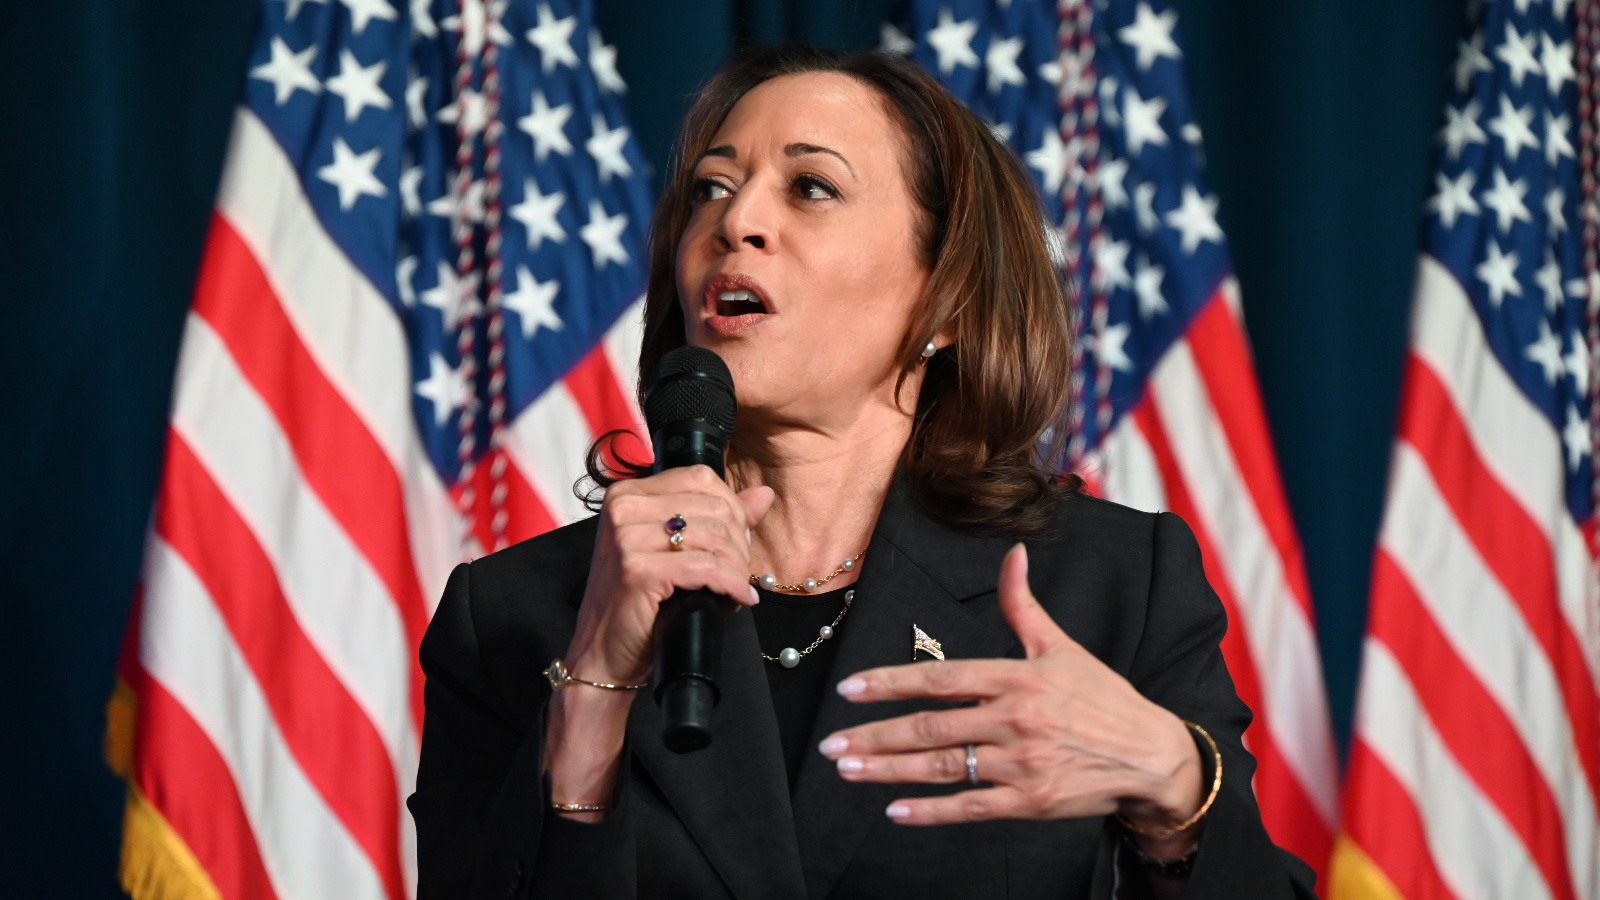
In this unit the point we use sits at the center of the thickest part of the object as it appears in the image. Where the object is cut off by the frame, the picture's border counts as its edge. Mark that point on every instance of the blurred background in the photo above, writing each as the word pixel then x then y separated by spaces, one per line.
pixel 1318 117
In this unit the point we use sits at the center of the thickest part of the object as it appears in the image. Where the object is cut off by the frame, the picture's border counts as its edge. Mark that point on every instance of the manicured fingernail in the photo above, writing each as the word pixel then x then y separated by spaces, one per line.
pixel 1024 557
pixel 747 537
pixel 898 811
pixel 834 745
pixel 851 687
pixel 851 764
pixel 754 597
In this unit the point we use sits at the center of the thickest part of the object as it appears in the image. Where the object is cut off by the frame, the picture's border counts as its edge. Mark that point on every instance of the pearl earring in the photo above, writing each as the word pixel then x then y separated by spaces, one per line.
pixel 930 349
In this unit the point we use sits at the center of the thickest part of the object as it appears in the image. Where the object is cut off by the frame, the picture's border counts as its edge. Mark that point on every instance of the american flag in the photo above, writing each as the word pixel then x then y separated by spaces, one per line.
pixel 1476 756
pixel 1166 413
pixel 416 307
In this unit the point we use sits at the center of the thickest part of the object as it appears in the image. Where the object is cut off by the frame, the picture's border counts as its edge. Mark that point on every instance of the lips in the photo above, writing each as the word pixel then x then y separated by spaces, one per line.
pixel 734 303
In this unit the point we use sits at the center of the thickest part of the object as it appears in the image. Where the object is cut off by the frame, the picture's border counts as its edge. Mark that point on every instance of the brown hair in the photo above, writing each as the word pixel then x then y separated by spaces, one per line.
pixel 989 423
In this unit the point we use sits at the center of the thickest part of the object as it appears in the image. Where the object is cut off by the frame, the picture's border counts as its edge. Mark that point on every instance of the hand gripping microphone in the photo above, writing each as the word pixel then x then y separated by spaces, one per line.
pixel 689 410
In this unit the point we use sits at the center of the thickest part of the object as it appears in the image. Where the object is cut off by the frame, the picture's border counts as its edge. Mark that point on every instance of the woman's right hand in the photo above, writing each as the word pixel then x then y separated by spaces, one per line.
pixel 635 567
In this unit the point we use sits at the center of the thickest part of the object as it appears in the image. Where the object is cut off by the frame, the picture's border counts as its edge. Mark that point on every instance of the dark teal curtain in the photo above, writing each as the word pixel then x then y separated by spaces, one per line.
pixel 1318 118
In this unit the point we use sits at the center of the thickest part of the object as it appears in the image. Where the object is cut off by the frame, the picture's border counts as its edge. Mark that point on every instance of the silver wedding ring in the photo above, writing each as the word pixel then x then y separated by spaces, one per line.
pixel 972 763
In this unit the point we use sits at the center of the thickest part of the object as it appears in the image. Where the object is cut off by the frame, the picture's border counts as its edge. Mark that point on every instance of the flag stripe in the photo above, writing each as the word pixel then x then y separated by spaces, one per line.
pixel 1477 853
pixel 547 444
pixel 330 737
pixel 187 648
pixel 1136 479
pixel 340 603
pixel 338 456
pixel 1477 732
pixel 1389 829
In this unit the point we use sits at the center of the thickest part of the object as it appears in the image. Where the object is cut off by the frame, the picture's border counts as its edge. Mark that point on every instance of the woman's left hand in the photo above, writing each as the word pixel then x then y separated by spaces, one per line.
pixel 1059 734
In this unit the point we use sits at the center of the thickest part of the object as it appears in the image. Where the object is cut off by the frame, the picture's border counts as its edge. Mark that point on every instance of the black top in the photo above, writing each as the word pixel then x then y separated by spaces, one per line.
pixel 723 822
pixel 794 620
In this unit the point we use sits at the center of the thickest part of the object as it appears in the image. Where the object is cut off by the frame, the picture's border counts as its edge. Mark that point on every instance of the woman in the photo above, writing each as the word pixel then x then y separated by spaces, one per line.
pixel 872 266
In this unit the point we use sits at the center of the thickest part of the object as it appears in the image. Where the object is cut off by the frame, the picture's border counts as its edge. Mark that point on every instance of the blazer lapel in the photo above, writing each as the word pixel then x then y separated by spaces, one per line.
pixel 734 795
pixel 916 572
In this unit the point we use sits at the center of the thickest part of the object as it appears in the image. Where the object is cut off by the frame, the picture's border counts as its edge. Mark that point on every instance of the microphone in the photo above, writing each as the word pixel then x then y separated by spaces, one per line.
pixel 689 409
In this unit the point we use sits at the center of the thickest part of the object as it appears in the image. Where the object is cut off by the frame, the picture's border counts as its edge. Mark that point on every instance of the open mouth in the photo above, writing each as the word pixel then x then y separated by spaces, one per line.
pixel 739 302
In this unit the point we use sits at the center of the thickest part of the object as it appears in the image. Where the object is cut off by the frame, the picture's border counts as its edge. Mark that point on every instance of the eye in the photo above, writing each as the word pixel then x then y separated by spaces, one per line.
pixel 810 187
pixel 708 189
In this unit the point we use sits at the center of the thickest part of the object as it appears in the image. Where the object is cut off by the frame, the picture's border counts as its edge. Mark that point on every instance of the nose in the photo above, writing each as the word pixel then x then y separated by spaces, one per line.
pixel 747 221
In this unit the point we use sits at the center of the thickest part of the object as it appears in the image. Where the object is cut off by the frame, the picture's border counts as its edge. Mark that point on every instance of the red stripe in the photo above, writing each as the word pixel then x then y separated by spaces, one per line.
pixel 1480 736
pixel 329 735
pixel 1222 355
pixel 1510 543
pixel 339 458
pixel 184 777
pixel 1381 816
pixel 599 394
pixel 1286 808
pixel 526 514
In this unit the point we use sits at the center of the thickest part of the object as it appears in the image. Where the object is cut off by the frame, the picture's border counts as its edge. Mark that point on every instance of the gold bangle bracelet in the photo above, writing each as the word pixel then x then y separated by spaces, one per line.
pixel 560 677
pixel 579 807
pixel 1216 787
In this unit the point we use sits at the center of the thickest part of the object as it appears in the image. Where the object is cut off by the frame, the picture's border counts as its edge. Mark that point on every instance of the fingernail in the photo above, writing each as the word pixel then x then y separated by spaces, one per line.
pixel 754 597
pixel 851 687
pixel 1024 557
pixel 851 764
pixel 833 745
pixel 747 537
pixel 898 811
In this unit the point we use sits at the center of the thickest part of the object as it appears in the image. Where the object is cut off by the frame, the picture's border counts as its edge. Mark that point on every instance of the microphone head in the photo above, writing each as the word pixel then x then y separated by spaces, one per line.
pixel 691 383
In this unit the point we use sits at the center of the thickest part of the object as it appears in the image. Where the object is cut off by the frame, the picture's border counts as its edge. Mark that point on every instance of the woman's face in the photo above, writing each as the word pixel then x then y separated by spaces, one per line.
pixel 799 265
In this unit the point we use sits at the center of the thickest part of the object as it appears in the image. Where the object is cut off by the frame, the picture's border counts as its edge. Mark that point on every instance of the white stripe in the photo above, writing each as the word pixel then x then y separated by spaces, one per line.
pixel 1130 475
pixel 1512 437
pixel 1276 628
pixel 1476 852
pixel 185 645
pixel 622 344
pixel 348 328
pixel 1487 631
pixel 341 604
pixel 547 443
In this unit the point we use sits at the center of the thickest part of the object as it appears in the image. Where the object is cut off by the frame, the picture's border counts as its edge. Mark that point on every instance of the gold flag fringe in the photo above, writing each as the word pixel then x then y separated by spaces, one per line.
pixel 120 714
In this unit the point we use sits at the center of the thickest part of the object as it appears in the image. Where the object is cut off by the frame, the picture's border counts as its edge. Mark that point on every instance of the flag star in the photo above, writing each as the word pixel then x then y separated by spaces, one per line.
pixel 1110 350
pixel 1587 289
pixel 1557 138
pixel 294 7
pixel 607 146
pixel 1557 62
pixel 1576 436
pixel 1050 159
pixel 416 101
pixel 1191 133
pixel 1144 207
pixel 352 173
pixel 1576 362
pixel 952 40
pixel 1454 198
pixel 1560 8
pixel 1549 280
pixel 537 213
pixel 553 37
pixel 455 298
pixel 357 86
pixel 410 187
pixel 1143 120
pixel 422 24
pixel 1111 175
pixel 1001 62
pixel 404 272
pixel 288 71
pixel 534 303
pixel 469 112
pixel 1498 272
pixel 444 388
pixel 479 23
pixel 1147 284
pixel 1546 351
pixel 893 40
pixel 603 63
pixel 1461 128
pixel 1151 35
pixel 1196 219
pixel 603 234
pixel 1108 101
pixel 1555 204
pixel 1471 61
pixel 1505 198
pixel 451 204
pixel 1516 52
pixel 1110 269
pixel 1512 125
pixel 364 11
pixel 1000 130
pixel 547 127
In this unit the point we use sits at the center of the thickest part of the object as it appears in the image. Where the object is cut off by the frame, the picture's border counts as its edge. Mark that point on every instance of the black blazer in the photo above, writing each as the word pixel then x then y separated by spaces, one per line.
pixel 721 822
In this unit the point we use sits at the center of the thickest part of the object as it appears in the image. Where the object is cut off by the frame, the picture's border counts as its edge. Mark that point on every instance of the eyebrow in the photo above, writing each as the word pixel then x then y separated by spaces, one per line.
pixel 728 152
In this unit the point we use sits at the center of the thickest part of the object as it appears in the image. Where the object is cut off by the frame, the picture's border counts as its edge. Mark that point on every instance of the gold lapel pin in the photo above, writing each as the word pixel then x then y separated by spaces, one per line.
pixel 921 641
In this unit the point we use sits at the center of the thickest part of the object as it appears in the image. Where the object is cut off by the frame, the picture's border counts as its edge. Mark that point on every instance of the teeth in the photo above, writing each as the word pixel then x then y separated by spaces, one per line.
pixel 735 296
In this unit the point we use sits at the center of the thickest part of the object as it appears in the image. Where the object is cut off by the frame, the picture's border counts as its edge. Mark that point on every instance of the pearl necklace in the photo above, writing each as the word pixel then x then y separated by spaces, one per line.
pixel 769 581
pixel 789 657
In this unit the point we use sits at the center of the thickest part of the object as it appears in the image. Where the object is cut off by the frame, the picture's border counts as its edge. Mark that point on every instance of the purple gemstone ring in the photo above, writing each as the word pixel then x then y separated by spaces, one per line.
pixel 675 527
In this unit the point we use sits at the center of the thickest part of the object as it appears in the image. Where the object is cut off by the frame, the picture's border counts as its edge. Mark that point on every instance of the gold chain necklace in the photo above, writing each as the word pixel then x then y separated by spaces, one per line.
pixel 769 581
pixel 789 657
